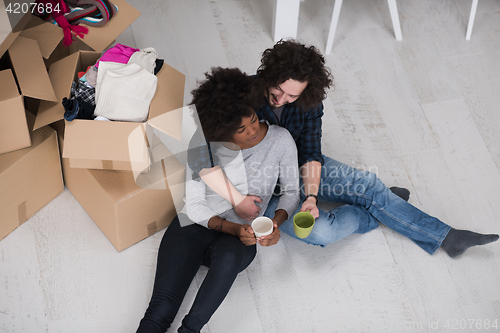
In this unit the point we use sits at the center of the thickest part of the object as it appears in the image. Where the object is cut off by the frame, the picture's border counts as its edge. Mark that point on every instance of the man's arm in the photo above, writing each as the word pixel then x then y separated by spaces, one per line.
pixel 311 176
pixel 310 157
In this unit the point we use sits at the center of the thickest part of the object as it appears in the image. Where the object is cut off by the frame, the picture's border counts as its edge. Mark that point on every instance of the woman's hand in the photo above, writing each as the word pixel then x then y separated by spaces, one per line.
pixel 310 204
pixel 247 209
pixel 246 235
pixel 271 239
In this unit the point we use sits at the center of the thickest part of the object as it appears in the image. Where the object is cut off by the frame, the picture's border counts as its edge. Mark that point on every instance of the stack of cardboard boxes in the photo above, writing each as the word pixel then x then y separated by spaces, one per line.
pixel 101 160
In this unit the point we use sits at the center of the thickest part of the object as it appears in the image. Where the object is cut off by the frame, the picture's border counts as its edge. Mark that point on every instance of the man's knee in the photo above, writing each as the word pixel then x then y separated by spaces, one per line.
pixel 335 225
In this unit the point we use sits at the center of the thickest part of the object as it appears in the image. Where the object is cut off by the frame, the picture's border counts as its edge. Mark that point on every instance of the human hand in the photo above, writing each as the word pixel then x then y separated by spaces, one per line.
pixel 246 235
pixel 271 239
pixel 310 204
pixel 247 209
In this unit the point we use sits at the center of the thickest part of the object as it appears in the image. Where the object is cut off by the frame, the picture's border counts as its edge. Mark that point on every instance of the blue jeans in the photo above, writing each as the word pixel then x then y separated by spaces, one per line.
pixel 368 203
pixel 182 251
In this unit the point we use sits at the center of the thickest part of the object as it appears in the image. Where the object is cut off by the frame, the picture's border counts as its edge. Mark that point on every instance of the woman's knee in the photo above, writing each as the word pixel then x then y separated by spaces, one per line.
pixel 235 258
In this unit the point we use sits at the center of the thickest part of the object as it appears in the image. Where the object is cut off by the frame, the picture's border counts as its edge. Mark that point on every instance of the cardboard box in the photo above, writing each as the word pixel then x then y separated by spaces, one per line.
pixel 49 35
pixel 125 212
pixel 14 132
pixel 107 145
pixel 29 179
pixel 31 41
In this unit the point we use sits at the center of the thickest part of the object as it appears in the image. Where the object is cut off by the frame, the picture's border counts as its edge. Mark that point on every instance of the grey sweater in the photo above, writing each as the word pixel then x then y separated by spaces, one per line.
pixel 252 171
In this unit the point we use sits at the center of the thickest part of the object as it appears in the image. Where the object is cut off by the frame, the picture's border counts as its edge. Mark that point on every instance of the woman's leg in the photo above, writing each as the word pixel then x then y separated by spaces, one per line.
pixel 226 257
pixel 180 255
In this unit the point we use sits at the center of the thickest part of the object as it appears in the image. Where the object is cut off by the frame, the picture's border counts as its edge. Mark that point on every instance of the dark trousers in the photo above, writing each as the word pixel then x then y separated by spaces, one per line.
pixel 182 251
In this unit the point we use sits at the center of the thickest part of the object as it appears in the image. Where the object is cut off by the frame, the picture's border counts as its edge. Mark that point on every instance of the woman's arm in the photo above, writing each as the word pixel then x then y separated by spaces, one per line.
pixel 198 210
pixel 203 161
pixel 244 206
pixel 243 232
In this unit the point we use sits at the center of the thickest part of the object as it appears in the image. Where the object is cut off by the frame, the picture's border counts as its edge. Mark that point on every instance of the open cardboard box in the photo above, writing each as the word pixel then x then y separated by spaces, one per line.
pixel 125 212
pixel 49 35
pixel 112 145
pixel 30 42
pixel 29 178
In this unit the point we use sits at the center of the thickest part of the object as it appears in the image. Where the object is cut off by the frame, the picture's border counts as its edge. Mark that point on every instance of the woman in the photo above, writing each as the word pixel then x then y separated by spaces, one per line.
pixel 254 157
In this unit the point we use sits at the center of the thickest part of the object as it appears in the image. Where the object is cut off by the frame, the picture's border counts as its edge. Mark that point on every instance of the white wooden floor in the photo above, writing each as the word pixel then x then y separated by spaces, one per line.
pixel 424 112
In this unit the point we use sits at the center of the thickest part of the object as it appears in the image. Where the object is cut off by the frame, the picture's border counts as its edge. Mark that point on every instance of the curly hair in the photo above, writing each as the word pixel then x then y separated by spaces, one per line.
pixel 222 100
pixel 292 60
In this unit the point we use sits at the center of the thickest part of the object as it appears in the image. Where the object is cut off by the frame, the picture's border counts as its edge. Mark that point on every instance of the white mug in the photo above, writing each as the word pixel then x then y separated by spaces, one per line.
pixel 262 226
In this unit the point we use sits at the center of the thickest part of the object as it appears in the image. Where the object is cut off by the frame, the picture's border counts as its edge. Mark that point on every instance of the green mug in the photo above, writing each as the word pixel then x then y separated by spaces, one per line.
pixel 303 223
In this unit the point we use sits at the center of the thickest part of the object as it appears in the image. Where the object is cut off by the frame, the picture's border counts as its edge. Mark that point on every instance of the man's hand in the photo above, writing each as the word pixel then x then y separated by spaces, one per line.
pixel 310 204
pixel 246 235
pixel 271 239
pixel 247 209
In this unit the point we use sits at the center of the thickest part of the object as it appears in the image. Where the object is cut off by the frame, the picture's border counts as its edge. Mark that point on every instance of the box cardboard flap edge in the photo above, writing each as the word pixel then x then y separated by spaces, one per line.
pixel 7 31
pixel 47 35
pixel 30 70
pixel 14 132
pixel 61 74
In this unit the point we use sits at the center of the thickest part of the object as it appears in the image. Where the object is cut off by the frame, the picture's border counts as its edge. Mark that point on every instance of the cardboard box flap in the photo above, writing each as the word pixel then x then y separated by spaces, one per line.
pixel 37 137
pixel 7 41
pixel 14 133
pixel 104 140
pixel 30 70
pixel 100 37
pixel 46 34
pixel 7 34
pixel 8 86
pixel 62 74
pixel 169 92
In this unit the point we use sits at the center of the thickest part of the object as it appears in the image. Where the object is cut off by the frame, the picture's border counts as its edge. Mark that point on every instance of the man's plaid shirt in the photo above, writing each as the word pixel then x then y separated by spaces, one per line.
pixel 305 128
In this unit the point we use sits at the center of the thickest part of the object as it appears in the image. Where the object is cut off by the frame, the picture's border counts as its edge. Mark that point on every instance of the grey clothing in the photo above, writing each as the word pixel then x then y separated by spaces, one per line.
pixel 278 112
pixel 252 171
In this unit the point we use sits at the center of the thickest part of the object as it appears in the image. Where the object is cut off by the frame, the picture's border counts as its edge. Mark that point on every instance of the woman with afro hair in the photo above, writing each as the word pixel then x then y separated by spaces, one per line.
pixel 254 156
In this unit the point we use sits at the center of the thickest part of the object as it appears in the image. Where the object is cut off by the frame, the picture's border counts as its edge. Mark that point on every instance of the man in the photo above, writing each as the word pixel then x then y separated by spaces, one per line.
pixel 295 81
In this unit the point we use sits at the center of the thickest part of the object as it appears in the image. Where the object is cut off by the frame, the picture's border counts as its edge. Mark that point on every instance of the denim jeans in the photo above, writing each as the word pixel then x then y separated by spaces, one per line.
pixel 182 251
pixel 368 203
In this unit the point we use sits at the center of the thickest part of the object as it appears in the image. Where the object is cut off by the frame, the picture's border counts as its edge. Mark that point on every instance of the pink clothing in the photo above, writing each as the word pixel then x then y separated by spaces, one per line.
pixel 118 53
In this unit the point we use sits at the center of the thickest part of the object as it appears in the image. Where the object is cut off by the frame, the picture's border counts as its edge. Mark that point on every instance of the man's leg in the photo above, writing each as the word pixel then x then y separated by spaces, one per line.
pixel 342 183
pixel 226 257
pixel 180 255
pixel 331 226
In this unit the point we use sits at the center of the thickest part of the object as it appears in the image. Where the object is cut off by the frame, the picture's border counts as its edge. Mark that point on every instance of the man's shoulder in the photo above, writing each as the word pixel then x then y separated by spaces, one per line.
pixel 307 111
